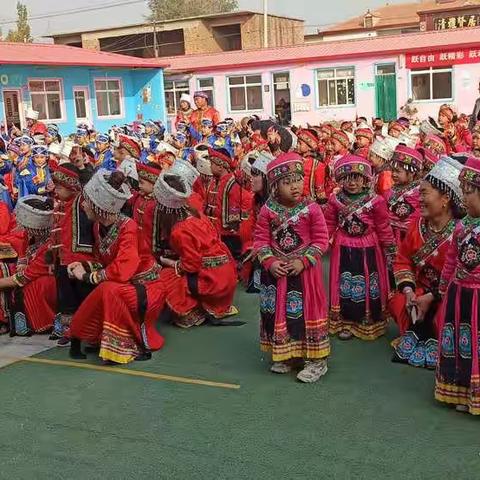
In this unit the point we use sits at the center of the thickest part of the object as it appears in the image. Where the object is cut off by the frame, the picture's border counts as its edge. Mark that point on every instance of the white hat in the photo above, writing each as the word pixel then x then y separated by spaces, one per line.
pixel 165 147
pixel 33 114
pixel 263 159
pixel 408 140
pixel 203 166
pixel 185 97
pixel 385 147
pixel 446 173
pixel 56 148
pixel 67 149
pixel 129 168
pixel 32 218
pixel 103 196
pixel 247 162
pixel 168 197
pixel 428 128
pixel 185 170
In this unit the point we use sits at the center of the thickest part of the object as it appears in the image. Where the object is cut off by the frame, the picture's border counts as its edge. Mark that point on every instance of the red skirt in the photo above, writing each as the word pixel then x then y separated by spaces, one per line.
pixel 35 306
pixel 210 291
pixel 109 318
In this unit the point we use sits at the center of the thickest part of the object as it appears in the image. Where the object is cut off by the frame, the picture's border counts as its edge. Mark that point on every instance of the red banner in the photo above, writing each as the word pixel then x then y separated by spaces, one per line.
pixel 443 58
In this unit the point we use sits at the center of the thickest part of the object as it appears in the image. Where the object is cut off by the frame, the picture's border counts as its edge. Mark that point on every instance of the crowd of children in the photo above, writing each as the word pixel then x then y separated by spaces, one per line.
pixel 104 236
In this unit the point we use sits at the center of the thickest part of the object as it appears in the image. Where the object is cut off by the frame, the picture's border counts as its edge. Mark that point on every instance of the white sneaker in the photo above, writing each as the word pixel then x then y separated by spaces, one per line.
pixel 462 408
pixel 313 371
pixel 280 367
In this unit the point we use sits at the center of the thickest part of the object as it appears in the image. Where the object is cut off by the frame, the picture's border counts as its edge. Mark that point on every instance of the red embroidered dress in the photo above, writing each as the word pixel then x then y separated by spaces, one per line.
pixel 293 309
pixel 361 235
pixel 205 279
pixel 121 313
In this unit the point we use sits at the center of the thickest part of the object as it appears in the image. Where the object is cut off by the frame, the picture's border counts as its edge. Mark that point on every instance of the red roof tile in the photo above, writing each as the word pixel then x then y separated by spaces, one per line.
pixel 403 14
pixel 62 55
pixel 368 47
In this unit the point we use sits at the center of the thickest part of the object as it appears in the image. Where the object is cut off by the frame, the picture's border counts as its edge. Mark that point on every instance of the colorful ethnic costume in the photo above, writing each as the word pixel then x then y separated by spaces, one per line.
pixel 418 266
pixel 120 314
pixel 362 239
pixel 71 240
pixel 203 282
pixel 458 373
pixel 34 303
pixel 293 309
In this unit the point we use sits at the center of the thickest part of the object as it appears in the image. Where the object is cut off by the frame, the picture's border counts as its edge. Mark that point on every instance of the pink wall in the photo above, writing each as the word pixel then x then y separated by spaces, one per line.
pixel 465 81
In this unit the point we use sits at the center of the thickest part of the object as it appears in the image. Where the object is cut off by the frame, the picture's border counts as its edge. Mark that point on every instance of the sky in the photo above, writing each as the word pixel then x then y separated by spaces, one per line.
pixel 317 13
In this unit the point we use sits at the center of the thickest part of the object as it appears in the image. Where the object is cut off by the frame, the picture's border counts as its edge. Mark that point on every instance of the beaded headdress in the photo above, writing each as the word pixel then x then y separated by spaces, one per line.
pixel 33 219
pixel 103 198
pixel 284 165
pixel 445 176
pixel 352 164
pixel 170 199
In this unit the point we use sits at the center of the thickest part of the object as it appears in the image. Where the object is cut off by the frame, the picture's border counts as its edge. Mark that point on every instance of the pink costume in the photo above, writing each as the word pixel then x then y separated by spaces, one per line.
pixel 293 308
pixel 362 237
pixel 403 200
pixel 458 374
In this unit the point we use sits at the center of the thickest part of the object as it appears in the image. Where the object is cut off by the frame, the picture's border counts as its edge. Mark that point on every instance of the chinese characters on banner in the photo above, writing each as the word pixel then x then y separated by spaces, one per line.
pixel 461 21
pixel 445 58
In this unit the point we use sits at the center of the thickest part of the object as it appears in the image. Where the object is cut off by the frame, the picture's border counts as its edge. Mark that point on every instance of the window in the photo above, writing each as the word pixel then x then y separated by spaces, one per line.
pixel 245 93
pixel 336 86
pixel 47 98
pixel 109 98
pixel 173 92
pixel 80 97
pixel 206 85
pixel 431 84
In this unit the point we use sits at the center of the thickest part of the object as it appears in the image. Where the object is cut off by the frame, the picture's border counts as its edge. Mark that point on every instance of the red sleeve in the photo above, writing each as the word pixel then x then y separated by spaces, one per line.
pixel 126 262
pixel 403 267
pixel 320 180
pixel 247 222
pixel 215 116
pixel 37 267
pixel 450 261
pixel 331 216
pixel 382 223
pixel 263 239
pixel 184 240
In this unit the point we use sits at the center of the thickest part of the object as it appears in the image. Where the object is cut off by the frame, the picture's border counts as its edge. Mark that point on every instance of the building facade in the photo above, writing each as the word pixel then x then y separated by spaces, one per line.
pixel 207 34
pixel 334 81
pixel 68 85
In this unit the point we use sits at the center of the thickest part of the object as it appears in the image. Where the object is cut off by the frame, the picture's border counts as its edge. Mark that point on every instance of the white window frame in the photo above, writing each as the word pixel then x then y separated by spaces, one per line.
pixel 207 89
pixel 317 89
pixel 174 90
pixel 244 85
pixel 122 98
pixel 63 118
pixel 88 99
pixel 430 70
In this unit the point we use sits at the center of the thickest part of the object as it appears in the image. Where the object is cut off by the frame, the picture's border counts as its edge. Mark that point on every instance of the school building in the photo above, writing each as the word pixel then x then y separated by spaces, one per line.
pixel 69 85
pixel 333 81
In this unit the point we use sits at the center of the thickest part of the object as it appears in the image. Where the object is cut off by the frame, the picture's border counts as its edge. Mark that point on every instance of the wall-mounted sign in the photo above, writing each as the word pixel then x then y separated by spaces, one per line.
pixel 147 94
pixel 306 90
pixel 454 22
pixel 301 107
pixel 443 58
pixel 365 85
pixel 4 79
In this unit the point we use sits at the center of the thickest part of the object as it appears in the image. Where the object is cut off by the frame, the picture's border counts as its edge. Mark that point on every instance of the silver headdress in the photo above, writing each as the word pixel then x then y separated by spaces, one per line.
pixel 385 147
pixel 169 198
pixel 102 196
pixel 204 166
pixel 445 176
pixel 185 170
pixel 263 158
pixel 31 218
pixel 428 128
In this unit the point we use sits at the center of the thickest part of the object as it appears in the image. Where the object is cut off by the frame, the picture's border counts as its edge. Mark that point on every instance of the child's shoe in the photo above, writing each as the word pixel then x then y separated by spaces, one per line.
pixel 280 367
pixel 313 371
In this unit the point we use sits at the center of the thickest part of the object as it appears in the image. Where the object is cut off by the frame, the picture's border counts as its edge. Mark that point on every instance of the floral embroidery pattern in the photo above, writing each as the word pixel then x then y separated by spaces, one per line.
pixel 294 304
pixel 470 254
pixel 268 295
pixel 448 339
pixel 465 341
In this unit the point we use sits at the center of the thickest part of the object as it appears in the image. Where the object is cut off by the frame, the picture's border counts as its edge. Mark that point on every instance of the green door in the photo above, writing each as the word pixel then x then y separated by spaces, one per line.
pixel 386 92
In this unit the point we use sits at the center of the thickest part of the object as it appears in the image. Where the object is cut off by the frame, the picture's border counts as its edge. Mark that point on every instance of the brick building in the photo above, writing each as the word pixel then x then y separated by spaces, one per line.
pixel 216 33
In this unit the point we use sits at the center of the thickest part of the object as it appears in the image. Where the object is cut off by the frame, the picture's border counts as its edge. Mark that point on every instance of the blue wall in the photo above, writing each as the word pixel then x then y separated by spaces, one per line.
pixel 134 82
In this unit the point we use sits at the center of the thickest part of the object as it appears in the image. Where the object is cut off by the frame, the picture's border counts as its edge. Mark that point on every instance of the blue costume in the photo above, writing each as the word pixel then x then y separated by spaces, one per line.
pixel 33 179
pixel 105 158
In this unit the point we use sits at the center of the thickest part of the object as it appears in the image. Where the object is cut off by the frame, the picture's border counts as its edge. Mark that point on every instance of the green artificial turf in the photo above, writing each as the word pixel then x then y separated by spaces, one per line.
pixel 367 419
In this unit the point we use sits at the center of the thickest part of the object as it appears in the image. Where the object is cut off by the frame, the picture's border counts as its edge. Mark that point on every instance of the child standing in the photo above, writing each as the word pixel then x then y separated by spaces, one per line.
pixel 458 374
pixel 403 198
pixel 290 238
pixel 362 238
